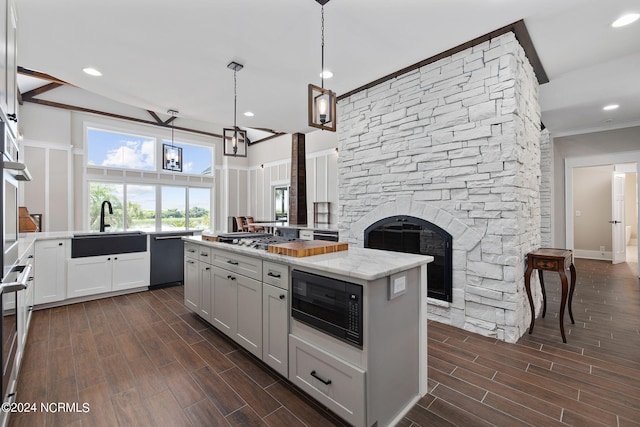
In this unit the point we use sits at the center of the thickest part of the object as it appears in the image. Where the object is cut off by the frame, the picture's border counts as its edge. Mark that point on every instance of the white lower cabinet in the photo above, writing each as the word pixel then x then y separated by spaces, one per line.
pixel 237 308
pixel 192 284
pixel 225 297
pixel 198 287
pixel 106 273
pixel 275 328
pixel 130 270
pixel 90 275
pixel 249 314
pixel 331 381
pixel 50 264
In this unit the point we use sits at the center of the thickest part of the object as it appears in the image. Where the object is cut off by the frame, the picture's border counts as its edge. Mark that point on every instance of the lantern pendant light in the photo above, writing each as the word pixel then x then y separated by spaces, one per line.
pixel 172 156
pixel 234 140
pixel 322 102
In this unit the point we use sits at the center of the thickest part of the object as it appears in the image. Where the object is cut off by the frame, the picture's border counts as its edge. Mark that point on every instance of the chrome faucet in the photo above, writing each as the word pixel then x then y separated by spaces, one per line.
pixel 102 224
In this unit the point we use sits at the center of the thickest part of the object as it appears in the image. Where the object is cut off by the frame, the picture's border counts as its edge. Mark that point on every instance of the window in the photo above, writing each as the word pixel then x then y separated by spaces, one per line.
pixel 120 150
pixel 196 159
pixel 174 202
pixel 141 207
pixel 281 203
pixel 125 168
pixel 199 208
pixel 141 213
pixel 114 193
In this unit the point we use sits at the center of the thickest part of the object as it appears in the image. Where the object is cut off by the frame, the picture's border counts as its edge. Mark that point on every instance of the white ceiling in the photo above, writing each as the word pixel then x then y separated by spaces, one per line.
pixel 160 54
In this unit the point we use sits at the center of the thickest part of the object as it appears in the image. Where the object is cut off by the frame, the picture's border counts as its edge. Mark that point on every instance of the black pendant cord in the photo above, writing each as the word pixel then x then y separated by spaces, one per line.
pixel 322 46
pixel 172 126
pixel 235 100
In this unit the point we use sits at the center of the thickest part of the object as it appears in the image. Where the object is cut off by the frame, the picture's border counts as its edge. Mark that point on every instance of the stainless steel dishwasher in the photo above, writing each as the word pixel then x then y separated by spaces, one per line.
pixel 167 258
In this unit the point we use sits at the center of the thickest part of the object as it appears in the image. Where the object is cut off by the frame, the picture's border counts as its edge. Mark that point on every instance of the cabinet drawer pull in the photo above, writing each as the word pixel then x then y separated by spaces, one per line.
pixel 204 254
pixel 282 296
pixel 191 262
pixel 325 382
pixel 277 276
pixel 231 277
pixel 207 268
pixel 191 250
pixel 232 262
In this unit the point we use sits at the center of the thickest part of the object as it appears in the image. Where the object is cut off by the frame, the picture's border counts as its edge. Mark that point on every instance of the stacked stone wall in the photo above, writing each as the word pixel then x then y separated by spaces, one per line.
pixel 457 143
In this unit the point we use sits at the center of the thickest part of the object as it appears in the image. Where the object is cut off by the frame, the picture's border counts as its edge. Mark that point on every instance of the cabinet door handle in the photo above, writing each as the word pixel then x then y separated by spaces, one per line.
pixel 12 117
pixel 231 277
pixel 207 268
pixel 277 276
pixel 59 244
pixel 204 254
pixel 282 296
pixel 232 262
pixel 325 382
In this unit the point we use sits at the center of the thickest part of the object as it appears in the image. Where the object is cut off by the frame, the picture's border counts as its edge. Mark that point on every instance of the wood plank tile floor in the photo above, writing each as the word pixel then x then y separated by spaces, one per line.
pixel 144 359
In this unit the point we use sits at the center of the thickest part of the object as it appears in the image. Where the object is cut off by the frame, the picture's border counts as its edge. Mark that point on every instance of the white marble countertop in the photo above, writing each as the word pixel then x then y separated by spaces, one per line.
pixel 366 264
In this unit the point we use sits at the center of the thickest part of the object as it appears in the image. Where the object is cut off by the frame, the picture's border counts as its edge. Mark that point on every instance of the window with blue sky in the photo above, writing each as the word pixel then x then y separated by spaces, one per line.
pixel 120 150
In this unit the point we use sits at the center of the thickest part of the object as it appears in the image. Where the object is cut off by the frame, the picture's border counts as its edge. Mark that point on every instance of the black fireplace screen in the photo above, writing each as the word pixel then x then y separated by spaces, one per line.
pixel 416 236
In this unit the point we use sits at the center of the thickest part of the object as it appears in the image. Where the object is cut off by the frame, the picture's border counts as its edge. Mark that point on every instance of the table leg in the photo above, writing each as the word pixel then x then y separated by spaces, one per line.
pixel 527 287
pixel 544 293
pixel 563 280
pixel 573 286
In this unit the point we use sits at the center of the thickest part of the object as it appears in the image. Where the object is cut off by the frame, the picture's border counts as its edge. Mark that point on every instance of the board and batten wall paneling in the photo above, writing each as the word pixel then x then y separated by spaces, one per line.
pixel 243 194
pixel 35 191
pixel 58 190
pixel 232 188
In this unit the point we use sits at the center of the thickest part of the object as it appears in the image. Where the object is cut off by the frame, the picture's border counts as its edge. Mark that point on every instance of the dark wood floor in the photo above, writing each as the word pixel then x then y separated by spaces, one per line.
pixel 143 359
pixel 594 379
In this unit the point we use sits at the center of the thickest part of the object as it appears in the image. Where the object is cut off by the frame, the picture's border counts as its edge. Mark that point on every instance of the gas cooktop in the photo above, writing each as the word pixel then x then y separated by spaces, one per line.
pixel 259 241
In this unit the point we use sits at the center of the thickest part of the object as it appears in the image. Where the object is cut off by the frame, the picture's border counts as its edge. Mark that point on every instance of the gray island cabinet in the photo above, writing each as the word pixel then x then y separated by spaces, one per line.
pixel 247 294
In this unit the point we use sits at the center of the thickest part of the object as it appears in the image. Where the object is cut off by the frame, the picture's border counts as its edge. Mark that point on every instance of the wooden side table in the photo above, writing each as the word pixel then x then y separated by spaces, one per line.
pixel 552 260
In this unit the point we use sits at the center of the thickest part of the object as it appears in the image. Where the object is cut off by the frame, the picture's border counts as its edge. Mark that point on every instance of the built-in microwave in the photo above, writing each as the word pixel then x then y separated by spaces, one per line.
pixel 330 305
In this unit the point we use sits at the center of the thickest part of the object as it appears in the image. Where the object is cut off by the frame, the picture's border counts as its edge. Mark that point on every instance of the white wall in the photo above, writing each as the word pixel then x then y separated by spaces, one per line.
pixel 595 145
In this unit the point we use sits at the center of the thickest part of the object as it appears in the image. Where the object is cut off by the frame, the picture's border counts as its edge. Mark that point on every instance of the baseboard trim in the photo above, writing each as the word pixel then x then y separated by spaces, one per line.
pixel 582 253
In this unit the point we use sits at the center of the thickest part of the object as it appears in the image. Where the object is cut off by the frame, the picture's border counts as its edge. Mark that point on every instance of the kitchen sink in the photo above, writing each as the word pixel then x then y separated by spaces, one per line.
pixel 94 244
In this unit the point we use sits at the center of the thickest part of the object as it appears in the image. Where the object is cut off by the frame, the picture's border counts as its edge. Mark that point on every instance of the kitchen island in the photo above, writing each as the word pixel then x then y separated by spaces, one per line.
pixel 250 295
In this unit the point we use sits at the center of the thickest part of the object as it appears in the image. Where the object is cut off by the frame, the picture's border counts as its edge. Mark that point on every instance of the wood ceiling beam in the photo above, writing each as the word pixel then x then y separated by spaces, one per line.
pixel 55 83
pixel 40 90
pixel 518 28
pixel 115 116
pixel 155 116
pixel 39 75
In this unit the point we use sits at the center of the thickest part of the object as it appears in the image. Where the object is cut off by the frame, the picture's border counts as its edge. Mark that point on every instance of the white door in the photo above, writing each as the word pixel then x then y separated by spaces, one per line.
pixel 619 243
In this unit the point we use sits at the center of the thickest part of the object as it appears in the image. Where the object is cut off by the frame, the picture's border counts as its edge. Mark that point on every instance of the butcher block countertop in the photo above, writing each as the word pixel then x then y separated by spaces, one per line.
pixel 360 263
pixel 307 248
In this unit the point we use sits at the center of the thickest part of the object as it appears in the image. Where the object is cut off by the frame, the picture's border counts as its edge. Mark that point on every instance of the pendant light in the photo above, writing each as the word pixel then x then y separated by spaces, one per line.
pixel 172 156
pixel 234 140
pixel 322 102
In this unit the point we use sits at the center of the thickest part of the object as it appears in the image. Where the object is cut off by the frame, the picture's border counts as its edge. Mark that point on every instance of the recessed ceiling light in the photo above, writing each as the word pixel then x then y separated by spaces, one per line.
pixel 92 71
pixel 326 74
pixel 610 107
pixel 627 19
pixel 249 114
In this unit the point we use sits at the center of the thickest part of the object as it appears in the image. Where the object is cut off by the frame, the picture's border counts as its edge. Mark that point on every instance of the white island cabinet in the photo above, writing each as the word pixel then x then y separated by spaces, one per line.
pixel 373 384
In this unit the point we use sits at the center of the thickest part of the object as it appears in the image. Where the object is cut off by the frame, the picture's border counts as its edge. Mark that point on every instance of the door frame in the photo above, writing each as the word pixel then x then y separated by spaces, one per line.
pixel 596 160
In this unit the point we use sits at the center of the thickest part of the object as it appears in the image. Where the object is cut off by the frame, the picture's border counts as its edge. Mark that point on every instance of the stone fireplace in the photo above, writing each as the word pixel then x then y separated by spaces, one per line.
pixel 455 143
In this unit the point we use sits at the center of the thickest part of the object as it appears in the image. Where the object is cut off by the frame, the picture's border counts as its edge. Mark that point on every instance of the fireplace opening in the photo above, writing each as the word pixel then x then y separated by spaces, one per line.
pixel 414 235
